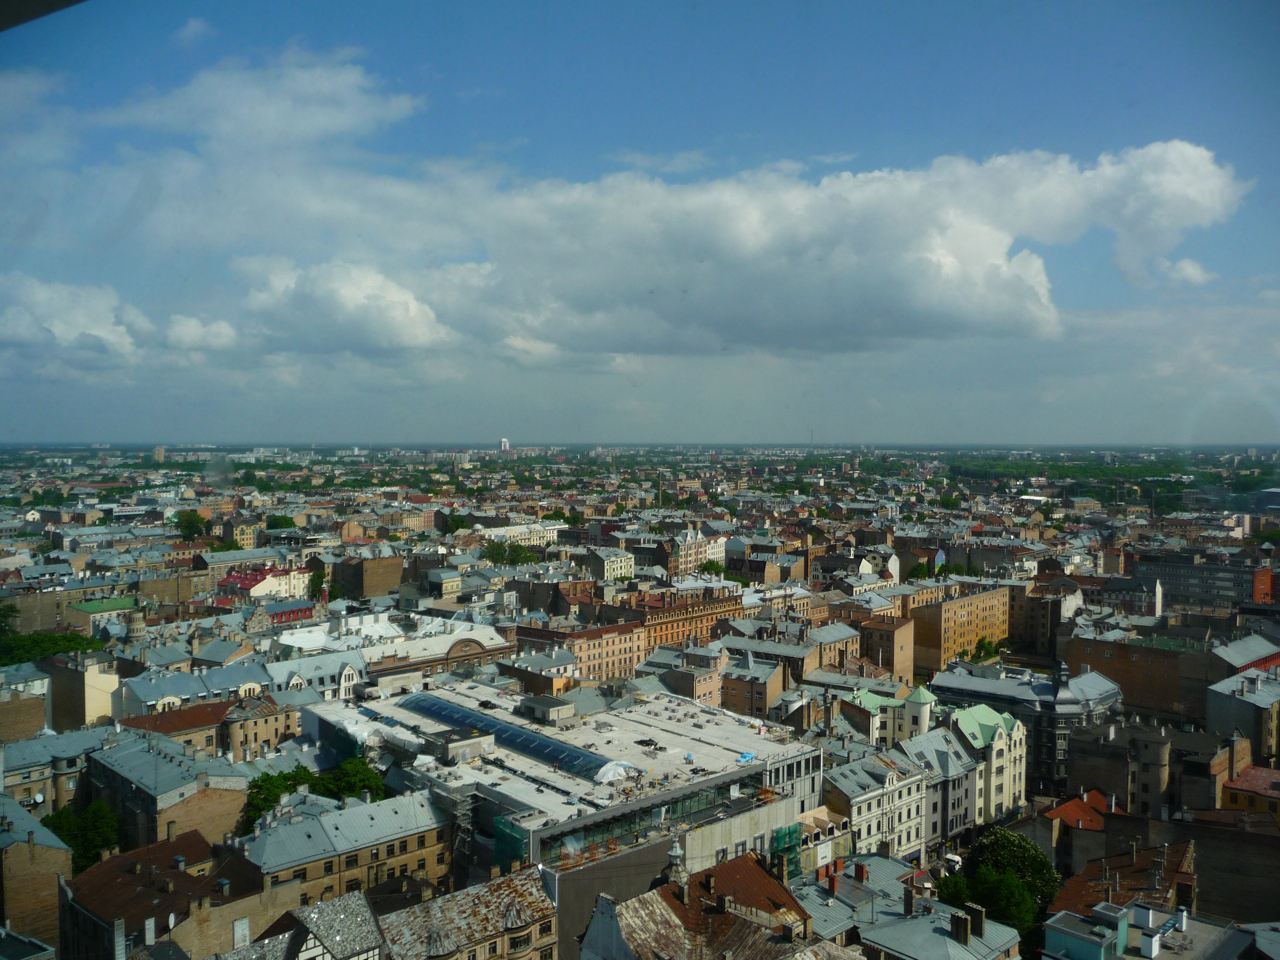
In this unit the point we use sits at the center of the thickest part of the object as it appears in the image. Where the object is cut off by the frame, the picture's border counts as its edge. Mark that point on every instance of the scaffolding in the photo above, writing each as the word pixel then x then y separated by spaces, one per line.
pixel 786 848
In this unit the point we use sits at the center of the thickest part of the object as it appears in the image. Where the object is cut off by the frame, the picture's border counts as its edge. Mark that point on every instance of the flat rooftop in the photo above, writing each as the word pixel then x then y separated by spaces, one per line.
pixel 656 737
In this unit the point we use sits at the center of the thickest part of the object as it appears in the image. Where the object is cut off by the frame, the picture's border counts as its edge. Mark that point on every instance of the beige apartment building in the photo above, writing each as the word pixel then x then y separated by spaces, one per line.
pixel 952 628
pixel 330 847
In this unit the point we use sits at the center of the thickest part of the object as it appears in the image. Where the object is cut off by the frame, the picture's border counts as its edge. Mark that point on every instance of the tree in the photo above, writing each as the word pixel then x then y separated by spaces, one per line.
pixel 25 647
pixel 574 520
pixel 279 522
pixel 1002 850
pixel 455 523
pixel 8 617
pixel 190 524
pixel 1004 895
pixel 556 515
pixel 315 584
pixel 919 572
pixel 87 833
pixel 351 779
pixel 714 567
pixel 505 552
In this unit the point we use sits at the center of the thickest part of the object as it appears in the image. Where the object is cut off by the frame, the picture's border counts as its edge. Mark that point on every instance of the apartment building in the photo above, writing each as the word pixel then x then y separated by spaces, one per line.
pixel 601 652
pixel 1250 703
pixel 998 741
pixel 31 858
pixel 324 848
pixel 610 563
pixel 749 686
pixel 44 774
pixel 159 788
pixel 883 797
pixel 889 642
pixel 951 629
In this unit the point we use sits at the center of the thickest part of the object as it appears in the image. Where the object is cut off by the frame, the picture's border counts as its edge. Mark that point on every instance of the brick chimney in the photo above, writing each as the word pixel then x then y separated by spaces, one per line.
pixel 960 928
pixel 977 919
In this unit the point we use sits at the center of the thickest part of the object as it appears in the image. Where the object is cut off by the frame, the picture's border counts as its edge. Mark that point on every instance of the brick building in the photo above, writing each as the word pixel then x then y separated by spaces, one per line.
pixel 951 628
pixel 31 857
pixel 160 789
pixel 357 578
pixel 319 848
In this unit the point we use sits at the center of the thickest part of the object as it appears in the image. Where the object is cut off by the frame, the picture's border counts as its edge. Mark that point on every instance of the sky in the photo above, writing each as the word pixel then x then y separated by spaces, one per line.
pixel 431 223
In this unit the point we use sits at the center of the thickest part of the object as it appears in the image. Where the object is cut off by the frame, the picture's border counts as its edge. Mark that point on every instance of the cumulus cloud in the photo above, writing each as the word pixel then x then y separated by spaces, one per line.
pixel 188 333
pixel 1186 271
pixel 340 258
pixel 193 31
pixel 341 306
pixel 73 321
pixel 298 98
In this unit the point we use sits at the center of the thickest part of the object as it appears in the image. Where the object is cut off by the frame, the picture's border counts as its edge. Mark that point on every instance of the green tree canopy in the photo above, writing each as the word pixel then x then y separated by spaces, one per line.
pixel 349 779
pixel 315 584
pixel 280 522
pixel 711 566
pixel 24 647
pixel 190 524
pixel 87 833
pixel 1004 895
pixel 1002 850
pixel 919 572
pixel 505 552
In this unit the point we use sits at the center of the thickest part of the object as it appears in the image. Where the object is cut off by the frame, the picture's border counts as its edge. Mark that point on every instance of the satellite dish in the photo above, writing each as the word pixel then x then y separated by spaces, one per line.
pixel 39 798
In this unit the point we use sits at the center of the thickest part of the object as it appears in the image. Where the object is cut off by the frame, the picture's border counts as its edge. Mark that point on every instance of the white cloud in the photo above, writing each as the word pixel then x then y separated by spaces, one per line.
pixel 1186 271
pixel 341 306
pixel 82 322
pixel 344 260
pixel 299 98
pixel 193 31
pixel 188 333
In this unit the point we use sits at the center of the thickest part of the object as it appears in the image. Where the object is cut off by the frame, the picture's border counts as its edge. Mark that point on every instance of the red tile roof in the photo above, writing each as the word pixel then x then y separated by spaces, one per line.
pixel 1083 814
pixel 1260 780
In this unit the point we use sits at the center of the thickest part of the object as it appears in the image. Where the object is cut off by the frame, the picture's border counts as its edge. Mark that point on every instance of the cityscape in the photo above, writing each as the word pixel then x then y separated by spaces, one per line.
pixel 687 481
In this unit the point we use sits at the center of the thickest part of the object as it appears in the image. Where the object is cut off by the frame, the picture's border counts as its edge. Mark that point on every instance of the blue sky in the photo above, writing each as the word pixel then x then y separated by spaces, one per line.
pixel 693 222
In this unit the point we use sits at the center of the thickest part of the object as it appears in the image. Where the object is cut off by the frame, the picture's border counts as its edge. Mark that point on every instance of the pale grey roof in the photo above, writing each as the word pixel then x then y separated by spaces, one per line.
pixel 42 750
pixel 24 823
pixel 157 765
pixel 1242 652
pixel 315 829
pixel 939 753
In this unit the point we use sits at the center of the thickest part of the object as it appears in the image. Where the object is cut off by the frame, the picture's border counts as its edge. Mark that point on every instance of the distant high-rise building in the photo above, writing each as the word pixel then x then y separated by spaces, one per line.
pixel 505 445
pixel 158 454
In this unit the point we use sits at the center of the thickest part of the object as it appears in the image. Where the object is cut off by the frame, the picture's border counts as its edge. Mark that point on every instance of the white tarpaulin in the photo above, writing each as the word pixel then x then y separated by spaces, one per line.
pixel 614 770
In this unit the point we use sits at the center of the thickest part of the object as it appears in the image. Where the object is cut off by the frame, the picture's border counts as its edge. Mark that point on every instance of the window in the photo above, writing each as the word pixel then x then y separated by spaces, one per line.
pixel 391 850
pixel 722 855
pixel 440 859
pixel 422 841
pixel 71 782
pixel 544 928
pixel 404 846
pixel 520 942
pixel 422 864
pixel 493 949
pixel 328 867
pixel 373 854
pixel 353 860
pixel 547 953
pixel 300 874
